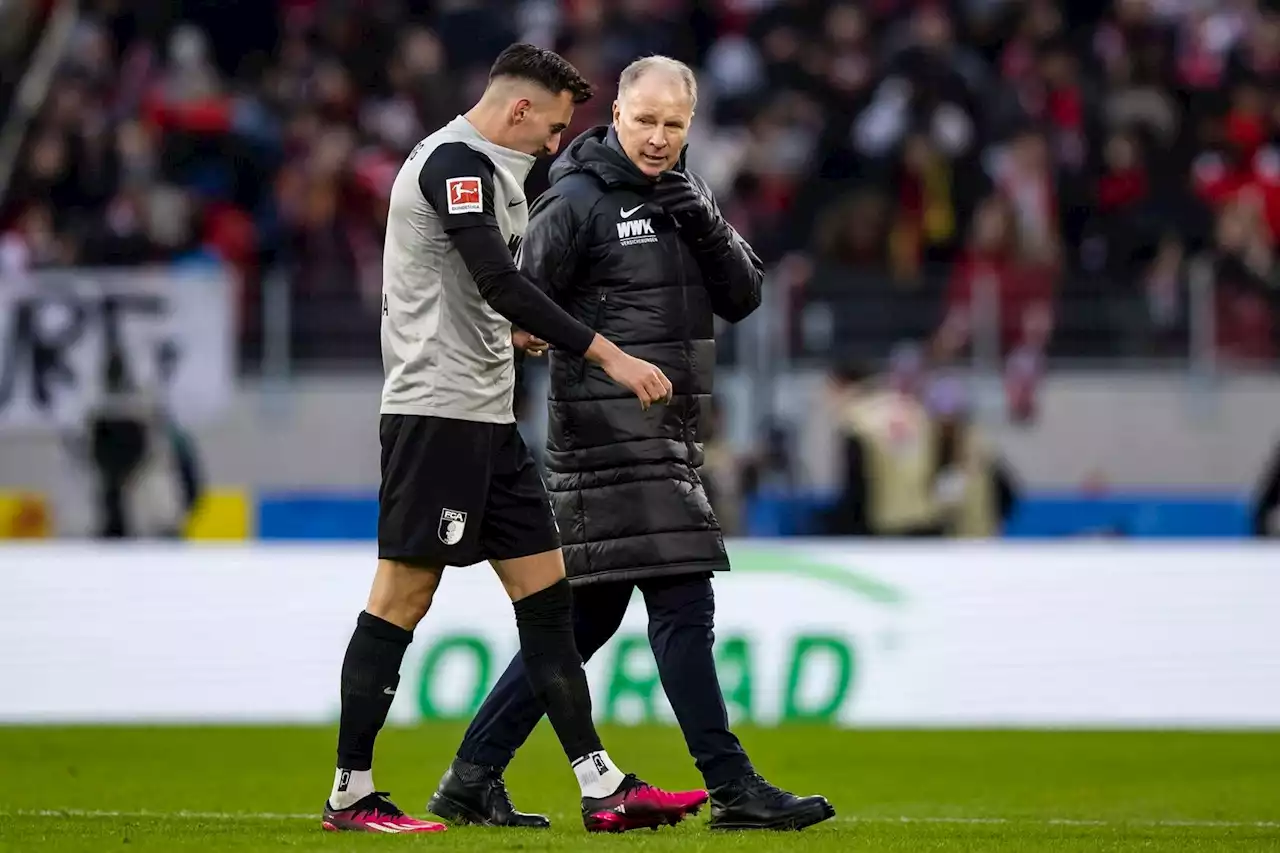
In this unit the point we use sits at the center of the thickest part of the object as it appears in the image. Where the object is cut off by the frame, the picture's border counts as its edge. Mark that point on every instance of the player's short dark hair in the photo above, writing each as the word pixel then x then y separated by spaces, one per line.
pixel 546 68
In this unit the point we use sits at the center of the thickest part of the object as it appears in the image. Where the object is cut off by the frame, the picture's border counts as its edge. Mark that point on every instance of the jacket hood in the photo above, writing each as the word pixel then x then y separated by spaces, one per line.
pixel 597 152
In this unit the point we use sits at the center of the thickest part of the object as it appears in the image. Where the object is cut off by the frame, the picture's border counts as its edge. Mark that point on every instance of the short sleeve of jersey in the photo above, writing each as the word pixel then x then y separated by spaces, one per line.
pixel 457 181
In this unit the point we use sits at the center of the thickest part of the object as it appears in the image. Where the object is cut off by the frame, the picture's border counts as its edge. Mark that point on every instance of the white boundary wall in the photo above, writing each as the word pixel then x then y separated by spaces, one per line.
pixel 1085 634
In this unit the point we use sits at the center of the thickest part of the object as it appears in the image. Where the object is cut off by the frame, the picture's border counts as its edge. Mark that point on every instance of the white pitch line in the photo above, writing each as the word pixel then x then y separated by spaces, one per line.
pixel 180 815
pixel 1066 821
pixel 961 821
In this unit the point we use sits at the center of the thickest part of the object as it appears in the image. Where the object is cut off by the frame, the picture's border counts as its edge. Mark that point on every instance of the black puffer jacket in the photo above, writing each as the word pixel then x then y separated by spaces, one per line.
pixel 623 481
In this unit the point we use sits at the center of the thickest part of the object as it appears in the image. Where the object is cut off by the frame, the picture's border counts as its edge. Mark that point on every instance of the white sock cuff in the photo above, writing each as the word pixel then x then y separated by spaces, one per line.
pixel 597 775
pixel 349 787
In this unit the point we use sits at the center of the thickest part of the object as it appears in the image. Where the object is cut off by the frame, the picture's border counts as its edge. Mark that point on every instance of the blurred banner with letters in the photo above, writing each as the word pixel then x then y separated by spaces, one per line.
pixel 75 340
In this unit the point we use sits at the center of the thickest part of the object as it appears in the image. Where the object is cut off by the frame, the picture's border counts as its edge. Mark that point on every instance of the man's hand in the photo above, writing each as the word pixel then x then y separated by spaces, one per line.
pixel 681 200
pixel 640 377
pixel 643 379
pixel 531 344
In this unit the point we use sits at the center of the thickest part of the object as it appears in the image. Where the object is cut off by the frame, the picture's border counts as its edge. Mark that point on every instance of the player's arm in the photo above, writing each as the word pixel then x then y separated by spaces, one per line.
pixel 549 254
pixel 457 181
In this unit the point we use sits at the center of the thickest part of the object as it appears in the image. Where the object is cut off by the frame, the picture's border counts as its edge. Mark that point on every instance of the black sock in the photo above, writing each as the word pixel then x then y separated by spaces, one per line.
pixel 370 675
pixel 554 667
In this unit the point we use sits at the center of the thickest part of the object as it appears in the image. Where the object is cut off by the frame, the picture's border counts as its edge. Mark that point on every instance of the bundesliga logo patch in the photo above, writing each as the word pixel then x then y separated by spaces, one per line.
pixel 452 524
pixel 464 195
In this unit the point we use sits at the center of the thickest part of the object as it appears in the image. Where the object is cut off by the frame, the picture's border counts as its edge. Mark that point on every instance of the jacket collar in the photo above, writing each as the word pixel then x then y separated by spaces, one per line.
pixel 598 152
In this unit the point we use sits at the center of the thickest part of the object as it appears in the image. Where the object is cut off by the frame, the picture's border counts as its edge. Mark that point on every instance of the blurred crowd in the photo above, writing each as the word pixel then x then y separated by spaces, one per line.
pixel 1013 178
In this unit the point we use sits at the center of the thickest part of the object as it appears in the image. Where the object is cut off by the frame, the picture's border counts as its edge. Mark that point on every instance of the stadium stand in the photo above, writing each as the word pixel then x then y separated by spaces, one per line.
pixel 1091 181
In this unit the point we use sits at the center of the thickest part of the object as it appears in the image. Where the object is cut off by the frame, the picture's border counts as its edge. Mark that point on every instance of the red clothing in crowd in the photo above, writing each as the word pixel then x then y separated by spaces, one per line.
pixel 1122 188
pixel 203 115
pixel 1014 289
pixel 1218 180
pixel 1242 324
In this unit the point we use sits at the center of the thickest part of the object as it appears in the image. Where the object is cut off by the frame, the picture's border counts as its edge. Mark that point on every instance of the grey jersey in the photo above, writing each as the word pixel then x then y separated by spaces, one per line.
pixel 445 351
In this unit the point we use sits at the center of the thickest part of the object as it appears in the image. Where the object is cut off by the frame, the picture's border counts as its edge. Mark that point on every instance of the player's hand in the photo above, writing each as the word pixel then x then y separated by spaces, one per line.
pixel 643 379
pixel 531 344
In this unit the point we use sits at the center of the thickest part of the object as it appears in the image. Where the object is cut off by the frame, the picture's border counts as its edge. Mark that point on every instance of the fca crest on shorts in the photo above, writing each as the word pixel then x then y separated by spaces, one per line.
pixel 452 524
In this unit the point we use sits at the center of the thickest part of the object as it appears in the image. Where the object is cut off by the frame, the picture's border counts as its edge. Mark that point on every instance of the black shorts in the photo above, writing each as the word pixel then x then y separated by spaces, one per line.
pixel 456 493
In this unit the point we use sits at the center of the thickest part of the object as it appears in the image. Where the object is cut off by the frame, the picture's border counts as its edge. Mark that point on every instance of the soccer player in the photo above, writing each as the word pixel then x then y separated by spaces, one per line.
pixel 631 240
pixel 458 484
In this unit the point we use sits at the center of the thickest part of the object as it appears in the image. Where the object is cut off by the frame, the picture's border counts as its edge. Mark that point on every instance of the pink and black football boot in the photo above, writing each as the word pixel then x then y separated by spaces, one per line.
pixel 639 805
pixel 375 813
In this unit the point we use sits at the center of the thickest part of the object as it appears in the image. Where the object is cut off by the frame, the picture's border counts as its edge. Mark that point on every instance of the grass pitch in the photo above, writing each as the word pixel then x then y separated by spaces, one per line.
pixel 261 789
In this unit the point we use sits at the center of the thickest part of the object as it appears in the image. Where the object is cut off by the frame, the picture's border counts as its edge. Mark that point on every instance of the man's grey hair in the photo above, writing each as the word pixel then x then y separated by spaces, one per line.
pixel 659 64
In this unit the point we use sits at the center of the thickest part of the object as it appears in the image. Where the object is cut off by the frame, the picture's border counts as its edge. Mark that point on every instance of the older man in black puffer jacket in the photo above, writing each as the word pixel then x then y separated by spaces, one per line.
pixel 633 244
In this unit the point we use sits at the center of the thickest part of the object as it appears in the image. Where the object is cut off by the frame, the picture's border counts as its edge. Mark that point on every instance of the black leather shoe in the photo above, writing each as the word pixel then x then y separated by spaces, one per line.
pixel 752 803
pixel 475 794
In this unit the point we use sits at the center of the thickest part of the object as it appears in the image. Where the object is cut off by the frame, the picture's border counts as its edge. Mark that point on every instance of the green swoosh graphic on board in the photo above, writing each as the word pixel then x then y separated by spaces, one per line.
pixel 758 561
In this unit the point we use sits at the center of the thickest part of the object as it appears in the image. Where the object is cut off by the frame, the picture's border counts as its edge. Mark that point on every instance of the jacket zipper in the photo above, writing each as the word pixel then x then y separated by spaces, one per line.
pixel 595 327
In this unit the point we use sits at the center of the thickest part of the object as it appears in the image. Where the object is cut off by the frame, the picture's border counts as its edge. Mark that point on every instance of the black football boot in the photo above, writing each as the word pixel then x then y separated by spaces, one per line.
pixel 750 802
pixel 475 794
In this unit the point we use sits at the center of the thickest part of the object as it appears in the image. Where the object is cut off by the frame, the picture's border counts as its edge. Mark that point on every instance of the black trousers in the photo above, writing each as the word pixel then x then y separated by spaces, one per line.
pixel 119 446
pixel 681 633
